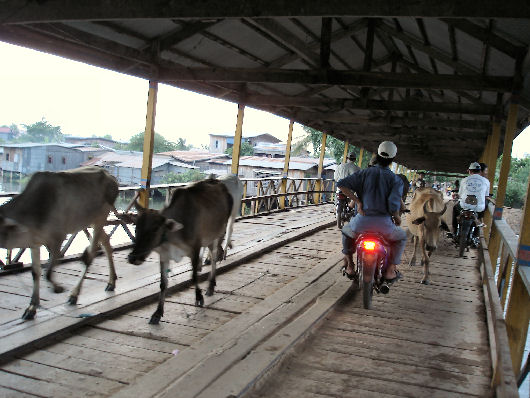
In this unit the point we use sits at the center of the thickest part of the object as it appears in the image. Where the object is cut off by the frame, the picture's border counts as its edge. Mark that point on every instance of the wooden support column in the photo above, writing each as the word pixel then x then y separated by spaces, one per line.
pixel 360 161
pixel 345 155
pixel 236 149
pixel 319 184
pixel 283 188
pixel 518 313
pixel 511 124
pixel 149 136
pixel 492 165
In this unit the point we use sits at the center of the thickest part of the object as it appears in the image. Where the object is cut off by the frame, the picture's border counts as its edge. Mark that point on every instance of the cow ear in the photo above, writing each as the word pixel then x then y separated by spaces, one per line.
pixel 173 226
pixel 418 221
pixel 444 226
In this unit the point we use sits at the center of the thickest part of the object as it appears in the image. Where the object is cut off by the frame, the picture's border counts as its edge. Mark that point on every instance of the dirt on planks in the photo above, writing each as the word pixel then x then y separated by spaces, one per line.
pixel 514 218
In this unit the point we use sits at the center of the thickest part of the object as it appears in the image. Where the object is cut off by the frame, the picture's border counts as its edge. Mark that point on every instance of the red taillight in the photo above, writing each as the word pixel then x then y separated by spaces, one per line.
pixel 369 245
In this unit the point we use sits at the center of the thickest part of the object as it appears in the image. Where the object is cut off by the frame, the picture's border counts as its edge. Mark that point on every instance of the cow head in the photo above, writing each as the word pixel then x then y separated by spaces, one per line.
pixel 13 234
pixel 151 230
pixel 431 223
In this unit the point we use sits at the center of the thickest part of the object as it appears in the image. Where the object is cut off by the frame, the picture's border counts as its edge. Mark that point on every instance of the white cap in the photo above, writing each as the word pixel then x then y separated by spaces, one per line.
pixel 474 166
pixel 387 149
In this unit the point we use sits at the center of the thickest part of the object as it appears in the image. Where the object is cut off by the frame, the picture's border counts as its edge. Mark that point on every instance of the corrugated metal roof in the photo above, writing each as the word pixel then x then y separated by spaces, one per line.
pixel 36 144
pixel 295 163
pixel 193 156
pixel 133 160
pixel 247 135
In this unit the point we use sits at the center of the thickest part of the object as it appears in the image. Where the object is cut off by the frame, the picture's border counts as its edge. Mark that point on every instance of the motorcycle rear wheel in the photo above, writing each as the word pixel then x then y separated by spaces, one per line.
pixel 340 223
pixel 368 292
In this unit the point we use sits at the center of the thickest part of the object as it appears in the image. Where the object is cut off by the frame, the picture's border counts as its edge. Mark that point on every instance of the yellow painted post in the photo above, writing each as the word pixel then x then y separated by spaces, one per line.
pixel 283 188
pixel 511 124
pixel 320 168
pixel 149 136
pixel 345 155
pixel 492 165
pixel 360 162
pixel 236 149
pixel 518 313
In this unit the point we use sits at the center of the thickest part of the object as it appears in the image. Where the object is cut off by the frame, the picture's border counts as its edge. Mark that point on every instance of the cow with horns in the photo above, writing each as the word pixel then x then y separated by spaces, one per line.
pixel 426 210
pixel 196 217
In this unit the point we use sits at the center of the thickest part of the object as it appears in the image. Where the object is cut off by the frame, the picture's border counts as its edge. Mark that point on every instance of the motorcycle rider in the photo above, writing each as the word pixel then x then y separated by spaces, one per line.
pixel 472 194
pixel 377 192
pixel 345 169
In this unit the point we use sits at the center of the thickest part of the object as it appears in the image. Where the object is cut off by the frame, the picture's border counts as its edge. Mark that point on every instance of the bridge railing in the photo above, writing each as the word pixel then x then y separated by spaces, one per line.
pixel 261 196
pixel 497 259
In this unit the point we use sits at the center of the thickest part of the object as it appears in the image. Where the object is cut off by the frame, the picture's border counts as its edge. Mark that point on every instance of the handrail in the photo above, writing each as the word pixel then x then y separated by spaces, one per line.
pixel 265 202
pixel 503 380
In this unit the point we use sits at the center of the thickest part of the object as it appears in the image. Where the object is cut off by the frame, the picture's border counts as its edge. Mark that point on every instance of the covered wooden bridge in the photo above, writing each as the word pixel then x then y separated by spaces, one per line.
pixel 446 81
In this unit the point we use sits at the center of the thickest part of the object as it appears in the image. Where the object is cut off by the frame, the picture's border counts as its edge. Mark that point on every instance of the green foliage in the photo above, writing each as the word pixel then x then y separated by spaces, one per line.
pixel 246 149
pixel 188 176
pixel 108 136
pixel 517 181
pixel 160 144
pixel 41 132
pixel 334 146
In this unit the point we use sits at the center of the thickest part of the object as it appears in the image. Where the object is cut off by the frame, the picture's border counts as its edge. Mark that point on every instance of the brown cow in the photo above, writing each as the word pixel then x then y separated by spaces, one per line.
pixel 196 217
pixel 425 217
pixel 52 206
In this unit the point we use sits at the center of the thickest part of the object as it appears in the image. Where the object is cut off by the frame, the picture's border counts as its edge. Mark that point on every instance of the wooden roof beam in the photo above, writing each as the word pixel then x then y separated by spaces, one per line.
pixel 338 77
pixel 483 34
pixel 22 11
pixel 386 105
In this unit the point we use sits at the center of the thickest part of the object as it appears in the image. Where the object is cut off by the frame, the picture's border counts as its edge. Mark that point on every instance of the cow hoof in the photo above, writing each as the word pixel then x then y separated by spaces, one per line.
pixel 58 289
pixel 29 314
pixel 209 292
pixel 207 262
pixel 425 282
pixel 199 302
pixel 155 319
pixel 110 287
pixel 72 300
pixel 412 263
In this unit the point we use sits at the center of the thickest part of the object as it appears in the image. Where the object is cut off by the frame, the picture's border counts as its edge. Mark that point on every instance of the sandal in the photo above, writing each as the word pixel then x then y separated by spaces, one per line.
pixel 395 279
pixel 351 277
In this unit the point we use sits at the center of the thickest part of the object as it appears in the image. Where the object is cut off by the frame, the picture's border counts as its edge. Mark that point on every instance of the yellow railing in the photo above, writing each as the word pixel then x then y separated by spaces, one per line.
pixel 261 196
pixel 497 259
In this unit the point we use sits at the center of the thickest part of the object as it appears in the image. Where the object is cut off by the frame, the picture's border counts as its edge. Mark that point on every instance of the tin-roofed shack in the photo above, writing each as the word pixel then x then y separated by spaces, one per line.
pixel 126 166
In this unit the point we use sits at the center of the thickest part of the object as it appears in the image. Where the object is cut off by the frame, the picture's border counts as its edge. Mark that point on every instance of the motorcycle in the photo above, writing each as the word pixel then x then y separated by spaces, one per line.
pixel 372 260
pixel 466 235
pixel 343 211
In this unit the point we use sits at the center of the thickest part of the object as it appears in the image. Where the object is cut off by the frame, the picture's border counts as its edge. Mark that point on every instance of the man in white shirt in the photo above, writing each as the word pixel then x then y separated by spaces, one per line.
pixel 345 169
pixel 472 194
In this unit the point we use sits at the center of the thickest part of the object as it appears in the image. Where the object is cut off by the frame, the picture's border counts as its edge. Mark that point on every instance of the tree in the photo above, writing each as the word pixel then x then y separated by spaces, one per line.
pixel 517 181
pixel 181 145
pixel 136 143
pixel 334 146
pixel 41 132
pixel 108 136
pixel 246 149
pixel 188 176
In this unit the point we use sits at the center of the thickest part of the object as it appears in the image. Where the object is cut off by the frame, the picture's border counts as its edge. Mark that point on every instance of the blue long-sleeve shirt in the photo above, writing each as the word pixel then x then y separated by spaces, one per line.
pixel 378 188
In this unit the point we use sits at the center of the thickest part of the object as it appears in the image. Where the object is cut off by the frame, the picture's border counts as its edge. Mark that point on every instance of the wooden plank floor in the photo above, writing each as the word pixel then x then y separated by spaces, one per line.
pixel 417 341
pixel 100 359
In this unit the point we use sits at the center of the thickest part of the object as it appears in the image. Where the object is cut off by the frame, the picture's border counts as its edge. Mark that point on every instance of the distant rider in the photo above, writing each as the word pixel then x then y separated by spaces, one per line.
pixel 377 192
pixel 348 168
pixel 472 194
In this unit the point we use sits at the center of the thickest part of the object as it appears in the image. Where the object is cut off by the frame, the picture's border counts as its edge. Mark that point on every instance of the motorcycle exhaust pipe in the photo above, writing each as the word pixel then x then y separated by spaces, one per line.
pixel 384 288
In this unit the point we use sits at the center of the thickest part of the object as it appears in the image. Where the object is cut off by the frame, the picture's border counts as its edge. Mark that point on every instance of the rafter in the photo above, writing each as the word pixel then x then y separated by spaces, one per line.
pixel 387 105
pixel 486 36
pixel 19 11
pixel 336 77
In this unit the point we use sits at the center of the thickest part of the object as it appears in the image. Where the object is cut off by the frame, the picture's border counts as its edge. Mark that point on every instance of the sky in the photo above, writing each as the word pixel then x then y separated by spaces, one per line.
pixel 85 100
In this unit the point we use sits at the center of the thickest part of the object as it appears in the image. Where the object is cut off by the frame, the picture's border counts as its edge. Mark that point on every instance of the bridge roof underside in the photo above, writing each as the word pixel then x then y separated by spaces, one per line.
pixel 428 75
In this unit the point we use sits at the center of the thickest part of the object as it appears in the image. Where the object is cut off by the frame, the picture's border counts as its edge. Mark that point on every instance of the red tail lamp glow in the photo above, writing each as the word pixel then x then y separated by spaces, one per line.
pixel 369 245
